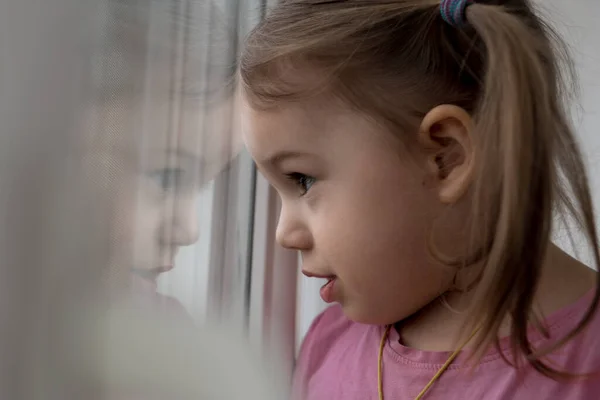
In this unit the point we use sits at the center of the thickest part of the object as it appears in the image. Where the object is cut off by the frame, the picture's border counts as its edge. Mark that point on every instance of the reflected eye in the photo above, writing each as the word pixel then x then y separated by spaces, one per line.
pixel 168 179
pixel 304 182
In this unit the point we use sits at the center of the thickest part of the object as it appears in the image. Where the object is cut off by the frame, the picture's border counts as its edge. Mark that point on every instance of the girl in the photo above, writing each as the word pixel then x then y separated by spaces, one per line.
pixel 420 150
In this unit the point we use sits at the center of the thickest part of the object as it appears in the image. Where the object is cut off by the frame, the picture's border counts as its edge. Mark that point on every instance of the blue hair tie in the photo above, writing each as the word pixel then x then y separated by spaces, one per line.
pixel 453 11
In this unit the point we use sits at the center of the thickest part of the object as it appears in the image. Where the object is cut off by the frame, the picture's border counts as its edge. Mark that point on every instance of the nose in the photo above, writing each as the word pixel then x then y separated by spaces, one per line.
pixel 181 222
pixel 291 232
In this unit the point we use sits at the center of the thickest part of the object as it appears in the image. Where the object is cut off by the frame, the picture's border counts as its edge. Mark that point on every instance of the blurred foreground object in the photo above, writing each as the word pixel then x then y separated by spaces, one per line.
pixel 65 181
pixel 151 358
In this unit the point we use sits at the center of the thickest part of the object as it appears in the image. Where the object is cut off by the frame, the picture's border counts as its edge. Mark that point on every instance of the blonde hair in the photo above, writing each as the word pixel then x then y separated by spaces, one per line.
pixel 503 67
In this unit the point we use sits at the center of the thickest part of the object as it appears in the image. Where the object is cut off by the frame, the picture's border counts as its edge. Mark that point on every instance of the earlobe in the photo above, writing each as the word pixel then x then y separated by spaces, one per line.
pixel 446 135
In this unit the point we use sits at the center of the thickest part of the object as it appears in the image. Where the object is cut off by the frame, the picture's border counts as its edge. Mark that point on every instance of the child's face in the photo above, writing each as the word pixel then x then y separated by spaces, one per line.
pixel 158 128
pixel 352 206
pixel 153 174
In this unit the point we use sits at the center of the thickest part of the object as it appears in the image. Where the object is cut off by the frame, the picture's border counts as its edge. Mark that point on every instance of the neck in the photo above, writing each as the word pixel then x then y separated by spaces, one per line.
pixel 438 326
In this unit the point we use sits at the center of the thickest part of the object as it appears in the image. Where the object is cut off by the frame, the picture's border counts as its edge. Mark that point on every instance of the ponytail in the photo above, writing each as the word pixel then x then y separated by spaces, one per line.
pixel 526 149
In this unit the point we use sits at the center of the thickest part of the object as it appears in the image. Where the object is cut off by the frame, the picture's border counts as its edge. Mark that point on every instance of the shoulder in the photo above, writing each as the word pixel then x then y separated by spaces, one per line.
pixel 589 335
pixel 581 352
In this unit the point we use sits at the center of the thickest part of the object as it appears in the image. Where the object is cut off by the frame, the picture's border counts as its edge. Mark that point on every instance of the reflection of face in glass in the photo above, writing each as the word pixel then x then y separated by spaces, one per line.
pixel 172 171
pixel 162 119
pixel 170 174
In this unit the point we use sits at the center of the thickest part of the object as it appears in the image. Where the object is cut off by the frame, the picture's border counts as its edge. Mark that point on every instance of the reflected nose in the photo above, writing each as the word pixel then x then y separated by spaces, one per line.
pixel 182 222
pixel 291 232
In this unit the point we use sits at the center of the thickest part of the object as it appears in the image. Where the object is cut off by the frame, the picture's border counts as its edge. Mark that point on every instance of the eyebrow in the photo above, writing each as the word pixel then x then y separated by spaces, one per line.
pixel 186 157
pixel 202 163
pixel 183 153
pixel 277 158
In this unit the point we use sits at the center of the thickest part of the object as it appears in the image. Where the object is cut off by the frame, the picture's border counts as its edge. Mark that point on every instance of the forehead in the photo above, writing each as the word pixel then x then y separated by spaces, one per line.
pixel 302 127
pixel 146 131
pixel 190 126
pixel 152 88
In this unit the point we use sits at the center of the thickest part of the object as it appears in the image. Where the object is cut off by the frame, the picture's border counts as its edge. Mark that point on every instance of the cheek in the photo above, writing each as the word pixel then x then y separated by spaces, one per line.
pixel 373 225
pixel 392 233
pixel 114 189
pixel 145 225
pixel 376 240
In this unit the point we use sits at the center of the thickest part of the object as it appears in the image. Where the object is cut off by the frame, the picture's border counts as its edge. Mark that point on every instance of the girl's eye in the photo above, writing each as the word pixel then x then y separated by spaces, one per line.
pixel 167 179
pixel 304 182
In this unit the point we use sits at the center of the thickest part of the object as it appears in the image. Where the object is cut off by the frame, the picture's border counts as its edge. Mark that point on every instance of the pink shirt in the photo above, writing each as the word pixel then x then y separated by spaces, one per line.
pixel 338 361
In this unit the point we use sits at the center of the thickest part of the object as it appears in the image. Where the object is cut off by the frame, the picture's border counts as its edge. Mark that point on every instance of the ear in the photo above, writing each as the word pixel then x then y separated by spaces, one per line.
pixel 446 134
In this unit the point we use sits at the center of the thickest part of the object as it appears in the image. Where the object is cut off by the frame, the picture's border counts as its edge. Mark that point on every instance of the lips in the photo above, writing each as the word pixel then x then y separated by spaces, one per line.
pixel 144 280
pixel 152 274
pixel 327 291
pixel 309 274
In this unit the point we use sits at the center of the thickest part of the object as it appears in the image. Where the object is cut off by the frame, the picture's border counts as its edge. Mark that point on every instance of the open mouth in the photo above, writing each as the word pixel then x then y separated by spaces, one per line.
pixel 327 290
pixel 144 281
pixel 151 275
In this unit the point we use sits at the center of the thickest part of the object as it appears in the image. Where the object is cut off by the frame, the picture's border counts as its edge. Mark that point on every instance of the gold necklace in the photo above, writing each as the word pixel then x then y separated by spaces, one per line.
pixel 435 377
